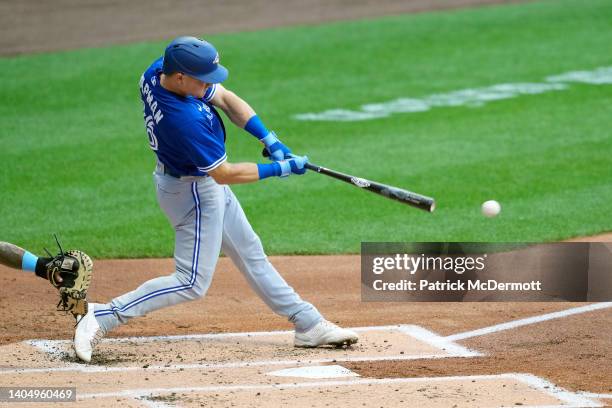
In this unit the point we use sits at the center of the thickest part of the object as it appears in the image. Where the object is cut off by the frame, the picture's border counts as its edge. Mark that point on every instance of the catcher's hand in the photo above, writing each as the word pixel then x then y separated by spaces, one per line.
pixel 70 272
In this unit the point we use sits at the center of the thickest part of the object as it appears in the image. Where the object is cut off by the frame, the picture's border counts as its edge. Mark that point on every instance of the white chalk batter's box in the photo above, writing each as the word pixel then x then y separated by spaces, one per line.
pixel 290 387
pixel 239 369
pixel 226 350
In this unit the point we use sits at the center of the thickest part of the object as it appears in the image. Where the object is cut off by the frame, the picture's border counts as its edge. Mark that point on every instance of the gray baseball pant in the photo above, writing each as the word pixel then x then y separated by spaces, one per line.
pixel 207 218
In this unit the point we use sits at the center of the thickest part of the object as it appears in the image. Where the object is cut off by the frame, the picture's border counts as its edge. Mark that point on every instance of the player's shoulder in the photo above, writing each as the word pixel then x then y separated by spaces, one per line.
pixel 154 68
pixel 149 78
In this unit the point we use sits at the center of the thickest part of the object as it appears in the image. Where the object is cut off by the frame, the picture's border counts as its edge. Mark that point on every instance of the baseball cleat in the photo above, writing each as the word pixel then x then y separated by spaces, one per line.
pixel 87 334
pixel 325 333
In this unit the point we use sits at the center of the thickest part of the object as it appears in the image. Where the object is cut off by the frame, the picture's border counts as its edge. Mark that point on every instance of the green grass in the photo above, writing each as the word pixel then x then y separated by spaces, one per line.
pixel 75 159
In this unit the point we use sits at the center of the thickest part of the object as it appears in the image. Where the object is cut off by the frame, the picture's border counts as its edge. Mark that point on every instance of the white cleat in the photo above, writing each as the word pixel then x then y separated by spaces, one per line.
pixel 325 333
pixel 87 334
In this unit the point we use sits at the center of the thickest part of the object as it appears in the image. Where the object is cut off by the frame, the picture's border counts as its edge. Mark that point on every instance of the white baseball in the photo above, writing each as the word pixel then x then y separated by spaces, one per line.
pixel 490 208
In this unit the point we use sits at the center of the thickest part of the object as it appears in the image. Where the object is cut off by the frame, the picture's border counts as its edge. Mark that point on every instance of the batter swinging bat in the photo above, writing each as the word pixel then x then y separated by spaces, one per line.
pixel 394 193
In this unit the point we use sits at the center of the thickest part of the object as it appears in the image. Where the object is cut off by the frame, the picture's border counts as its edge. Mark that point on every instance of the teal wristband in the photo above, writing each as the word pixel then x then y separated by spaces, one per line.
pixel 28 262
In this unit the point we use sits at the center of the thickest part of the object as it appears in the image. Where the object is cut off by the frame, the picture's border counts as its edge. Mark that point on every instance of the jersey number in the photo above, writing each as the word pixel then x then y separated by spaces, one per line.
pixel 152 138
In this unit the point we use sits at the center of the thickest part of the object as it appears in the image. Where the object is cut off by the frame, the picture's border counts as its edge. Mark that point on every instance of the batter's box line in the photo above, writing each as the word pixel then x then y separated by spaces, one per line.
pixel 569 399
pixel 56 347
pixel 205 336
pixel 435 340
pixel 513 324
pixel 85 368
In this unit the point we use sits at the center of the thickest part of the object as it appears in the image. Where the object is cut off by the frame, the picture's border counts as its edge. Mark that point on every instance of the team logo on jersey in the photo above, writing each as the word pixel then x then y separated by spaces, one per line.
pixel 216 60
pixel 359 182
pixel 149 123
pixel 203 107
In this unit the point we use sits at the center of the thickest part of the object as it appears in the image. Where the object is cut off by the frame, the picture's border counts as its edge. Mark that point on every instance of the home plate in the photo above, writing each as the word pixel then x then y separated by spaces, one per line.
pixel 327 371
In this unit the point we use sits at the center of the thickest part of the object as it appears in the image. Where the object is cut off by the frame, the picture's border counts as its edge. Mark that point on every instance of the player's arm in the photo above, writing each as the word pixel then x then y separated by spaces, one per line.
pixel 242 115
pixel 236 108
pixel 235 173
pixel 209 156
pixel 16 257
pixel 11 255
pixel 238 173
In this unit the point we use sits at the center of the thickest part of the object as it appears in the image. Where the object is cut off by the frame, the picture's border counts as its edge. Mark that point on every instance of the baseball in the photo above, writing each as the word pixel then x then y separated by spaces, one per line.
pixel 490 208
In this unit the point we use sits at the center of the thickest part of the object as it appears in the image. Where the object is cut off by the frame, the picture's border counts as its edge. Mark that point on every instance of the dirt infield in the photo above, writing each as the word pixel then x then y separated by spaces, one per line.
pixel 571 352
pixel 37 26
pixel 605 237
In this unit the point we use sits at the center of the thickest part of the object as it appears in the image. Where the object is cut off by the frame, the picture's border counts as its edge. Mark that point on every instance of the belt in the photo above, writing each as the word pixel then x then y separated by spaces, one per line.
pixel 171 173
pixel 164 170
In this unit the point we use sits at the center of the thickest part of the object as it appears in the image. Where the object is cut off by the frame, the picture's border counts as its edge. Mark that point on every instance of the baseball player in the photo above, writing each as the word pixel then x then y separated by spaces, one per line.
pixel 181 93
pixel 70 272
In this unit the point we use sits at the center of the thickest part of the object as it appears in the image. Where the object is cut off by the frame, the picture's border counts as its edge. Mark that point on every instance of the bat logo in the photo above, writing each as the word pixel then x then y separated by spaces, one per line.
pixel 359 182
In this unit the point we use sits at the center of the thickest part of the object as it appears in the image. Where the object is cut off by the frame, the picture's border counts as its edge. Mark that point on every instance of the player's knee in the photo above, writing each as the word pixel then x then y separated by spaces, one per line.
pixel 193 287
pixel 194 293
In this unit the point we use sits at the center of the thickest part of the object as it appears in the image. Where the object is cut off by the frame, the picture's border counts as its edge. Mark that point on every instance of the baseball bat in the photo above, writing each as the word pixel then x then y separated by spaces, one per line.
pixel 394 193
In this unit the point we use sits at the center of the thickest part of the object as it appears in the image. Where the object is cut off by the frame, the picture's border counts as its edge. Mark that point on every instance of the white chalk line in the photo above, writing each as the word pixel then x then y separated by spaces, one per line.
pixel 529 320
pixel 595 395
pixel 567 398
pixel 205 336
pixel 54 347
pixel 85 368
pixel 572 398
pixel 445 343
pixel 439 342
pixel 471 97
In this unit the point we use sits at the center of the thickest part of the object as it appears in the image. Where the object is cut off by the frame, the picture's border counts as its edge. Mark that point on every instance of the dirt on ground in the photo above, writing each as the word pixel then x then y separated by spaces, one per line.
pixel 28 26
pixel 605 237
pixel 571 352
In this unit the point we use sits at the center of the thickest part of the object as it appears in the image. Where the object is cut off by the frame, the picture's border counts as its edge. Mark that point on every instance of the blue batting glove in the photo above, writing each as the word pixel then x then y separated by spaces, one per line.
pixel 277 150
pixel 295 165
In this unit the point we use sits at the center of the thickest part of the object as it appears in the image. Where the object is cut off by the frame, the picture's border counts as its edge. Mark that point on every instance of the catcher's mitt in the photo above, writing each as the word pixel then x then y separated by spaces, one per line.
pixel 75 268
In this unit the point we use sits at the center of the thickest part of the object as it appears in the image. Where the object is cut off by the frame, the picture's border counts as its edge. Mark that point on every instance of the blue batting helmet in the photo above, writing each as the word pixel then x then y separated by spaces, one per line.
pixel 196 58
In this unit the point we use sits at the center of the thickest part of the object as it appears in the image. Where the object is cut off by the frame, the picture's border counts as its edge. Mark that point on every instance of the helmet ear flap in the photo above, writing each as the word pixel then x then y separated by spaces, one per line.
pixel 172 59
pixel 167 64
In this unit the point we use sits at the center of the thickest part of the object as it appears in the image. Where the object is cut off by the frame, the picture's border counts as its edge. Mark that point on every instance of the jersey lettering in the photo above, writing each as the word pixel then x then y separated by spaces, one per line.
pixel 145 89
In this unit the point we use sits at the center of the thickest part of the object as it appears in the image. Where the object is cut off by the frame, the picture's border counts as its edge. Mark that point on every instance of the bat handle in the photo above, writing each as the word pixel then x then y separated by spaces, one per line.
pixel 309 166
pixel 313 167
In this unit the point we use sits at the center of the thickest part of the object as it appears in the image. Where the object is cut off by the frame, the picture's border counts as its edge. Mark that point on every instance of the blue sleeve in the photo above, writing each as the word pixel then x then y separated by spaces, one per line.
pixel 205 149
pixel 210 92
